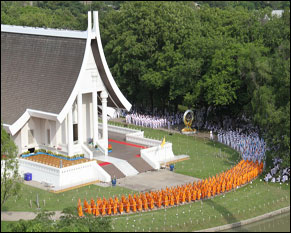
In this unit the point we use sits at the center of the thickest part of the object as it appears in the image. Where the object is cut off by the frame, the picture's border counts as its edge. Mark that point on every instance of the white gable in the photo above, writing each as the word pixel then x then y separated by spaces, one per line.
pixel 91 80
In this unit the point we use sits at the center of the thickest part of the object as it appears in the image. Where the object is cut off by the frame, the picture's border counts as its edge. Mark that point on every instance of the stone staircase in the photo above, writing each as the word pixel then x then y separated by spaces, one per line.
pixel 113 171
pixel 121 164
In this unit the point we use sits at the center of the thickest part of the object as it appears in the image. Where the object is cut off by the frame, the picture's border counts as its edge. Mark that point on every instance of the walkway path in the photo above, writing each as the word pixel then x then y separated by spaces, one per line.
pixel 16 216
pixel 174 129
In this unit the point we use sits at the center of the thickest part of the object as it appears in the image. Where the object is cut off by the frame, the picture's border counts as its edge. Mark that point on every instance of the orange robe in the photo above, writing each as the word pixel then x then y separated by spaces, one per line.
pixel 145 204
pixel 115 208
pixel 194 195
pixel 103 212
pixel 80 212
pixel 166 201
pixel 139 205
pixel 152 205
pixel 89 209
pixel 133 206
pixel 127 207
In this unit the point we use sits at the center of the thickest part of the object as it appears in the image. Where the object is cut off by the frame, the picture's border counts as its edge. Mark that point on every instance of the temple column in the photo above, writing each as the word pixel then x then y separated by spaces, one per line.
pixel 104 97
pixel 80 119
pixel 95 117
pixel 70 133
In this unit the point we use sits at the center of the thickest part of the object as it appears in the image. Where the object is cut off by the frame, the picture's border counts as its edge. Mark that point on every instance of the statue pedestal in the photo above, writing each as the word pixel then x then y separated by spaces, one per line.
pixel 188 131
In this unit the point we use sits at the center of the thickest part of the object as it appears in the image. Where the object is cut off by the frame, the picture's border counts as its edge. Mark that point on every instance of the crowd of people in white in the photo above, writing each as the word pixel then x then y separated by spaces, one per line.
pixel 254 148
pixel 154 121
pixel 250 146
pixel 244 139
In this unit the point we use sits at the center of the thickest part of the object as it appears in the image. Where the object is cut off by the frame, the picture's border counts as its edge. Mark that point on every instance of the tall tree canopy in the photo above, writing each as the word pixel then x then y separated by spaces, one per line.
pixel 231 56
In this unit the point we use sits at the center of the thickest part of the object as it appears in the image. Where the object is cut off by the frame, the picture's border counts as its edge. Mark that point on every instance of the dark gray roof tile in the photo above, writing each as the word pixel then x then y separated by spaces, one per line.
pixel 37 72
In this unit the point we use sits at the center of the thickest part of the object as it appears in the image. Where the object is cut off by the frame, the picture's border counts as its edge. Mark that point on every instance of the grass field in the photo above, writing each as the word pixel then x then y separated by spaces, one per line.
pixel 247 202
pixel 206 159
pixel 59 201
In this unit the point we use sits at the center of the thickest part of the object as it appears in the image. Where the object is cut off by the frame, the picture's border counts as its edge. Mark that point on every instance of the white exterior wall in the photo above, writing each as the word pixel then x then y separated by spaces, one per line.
pixel 39 127
pixel 17 140
pixel 64 177
pixel 90 83
pixel 157 155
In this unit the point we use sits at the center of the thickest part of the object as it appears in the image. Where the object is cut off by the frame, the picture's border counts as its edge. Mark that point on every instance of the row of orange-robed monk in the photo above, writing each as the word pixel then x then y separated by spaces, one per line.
pixel 242 173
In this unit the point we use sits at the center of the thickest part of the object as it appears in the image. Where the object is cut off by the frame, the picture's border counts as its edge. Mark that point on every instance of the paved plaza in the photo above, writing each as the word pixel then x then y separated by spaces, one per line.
pixel 154 180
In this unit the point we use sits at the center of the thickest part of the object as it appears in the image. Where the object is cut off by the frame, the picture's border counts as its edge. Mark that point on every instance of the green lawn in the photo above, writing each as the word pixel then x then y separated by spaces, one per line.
pixel 206 159
pixel 58 201
pixel 244 203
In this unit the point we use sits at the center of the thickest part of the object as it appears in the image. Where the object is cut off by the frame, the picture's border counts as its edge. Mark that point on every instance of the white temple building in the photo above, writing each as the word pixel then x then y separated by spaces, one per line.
pixel 52 81
pixel 55 84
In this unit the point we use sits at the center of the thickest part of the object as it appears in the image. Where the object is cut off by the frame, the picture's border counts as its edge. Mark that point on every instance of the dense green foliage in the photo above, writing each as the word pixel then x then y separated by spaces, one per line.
pixel 233 56
pixel 251 5
pixel 70 222
pixel 9 168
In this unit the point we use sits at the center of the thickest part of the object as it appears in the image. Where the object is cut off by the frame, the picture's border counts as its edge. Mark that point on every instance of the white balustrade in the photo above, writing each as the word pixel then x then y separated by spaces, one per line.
pixel 64 177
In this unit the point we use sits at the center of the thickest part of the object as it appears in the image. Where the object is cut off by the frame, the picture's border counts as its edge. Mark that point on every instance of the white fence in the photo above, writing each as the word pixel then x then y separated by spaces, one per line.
pixel 141 140
pixel 118 129
pixel 64 177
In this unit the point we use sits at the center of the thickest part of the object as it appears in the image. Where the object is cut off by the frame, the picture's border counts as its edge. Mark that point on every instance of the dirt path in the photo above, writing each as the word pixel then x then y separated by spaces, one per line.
pixel 16 216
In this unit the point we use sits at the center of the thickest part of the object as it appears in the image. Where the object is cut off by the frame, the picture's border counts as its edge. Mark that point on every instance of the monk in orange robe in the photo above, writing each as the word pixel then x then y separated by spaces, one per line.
pixel 89 209
pixel 139 204
pixel 127 207
pixel 80 212
pixel 115 208
pixel 223 187
pixel 97 213
pixel 133 205
pixel 194 195
pixel 145 204
pixel 109 209
pixel 120 207
pixel 199 194
pixel 183 197
pixel 103 211
pixel 152 203
pixel 166 201
pixel 94 209
pixel 188 196
pixel 159 204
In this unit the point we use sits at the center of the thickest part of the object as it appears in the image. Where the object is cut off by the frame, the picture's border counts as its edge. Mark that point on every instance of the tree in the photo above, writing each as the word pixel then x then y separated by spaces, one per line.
pixel 69 222
pixel 10 179
pixel 148 45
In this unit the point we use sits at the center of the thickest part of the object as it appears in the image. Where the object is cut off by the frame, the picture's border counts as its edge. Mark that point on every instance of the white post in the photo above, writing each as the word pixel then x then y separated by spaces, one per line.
pixel 70 133
pixel 80 120
pixel 58 130
pixel 104 97
pixel 95 117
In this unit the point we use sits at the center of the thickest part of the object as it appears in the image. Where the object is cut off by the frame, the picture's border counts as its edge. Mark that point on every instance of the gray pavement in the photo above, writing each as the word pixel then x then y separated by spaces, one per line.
pixel 154 180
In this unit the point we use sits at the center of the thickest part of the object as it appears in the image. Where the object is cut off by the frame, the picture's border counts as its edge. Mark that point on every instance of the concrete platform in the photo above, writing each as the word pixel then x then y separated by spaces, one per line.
pixel 154 180
pixel 128 152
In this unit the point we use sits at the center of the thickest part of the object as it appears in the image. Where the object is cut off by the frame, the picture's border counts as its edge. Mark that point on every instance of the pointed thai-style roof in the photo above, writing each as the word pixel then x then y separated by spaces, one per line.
pixel 40 69
pixel 37 72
